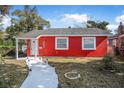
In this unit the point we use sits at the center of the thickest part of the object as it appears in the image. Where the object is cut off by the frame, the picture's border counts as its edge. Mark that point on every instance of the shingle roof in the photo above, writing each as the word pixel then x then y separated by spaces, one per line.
pixel 65 32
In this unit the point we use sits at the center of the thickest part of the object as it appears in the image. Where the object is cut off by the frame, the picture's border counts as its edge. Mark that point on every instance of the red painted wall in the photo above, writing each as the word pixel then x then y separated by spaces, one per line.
pixel 28 47
pixel 75 47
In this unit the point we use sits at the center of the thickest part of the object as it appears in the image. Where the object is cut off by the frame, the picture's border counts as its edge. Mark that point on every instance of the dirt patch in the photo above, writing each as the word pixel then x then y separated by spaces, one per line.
pixel 12 73
pixel 91 75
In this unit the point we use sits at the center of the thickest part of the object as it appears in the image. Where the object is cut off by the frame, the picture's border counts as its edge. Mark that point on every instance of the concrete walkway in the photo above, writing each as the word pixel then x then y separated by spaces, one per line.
pixel 41 76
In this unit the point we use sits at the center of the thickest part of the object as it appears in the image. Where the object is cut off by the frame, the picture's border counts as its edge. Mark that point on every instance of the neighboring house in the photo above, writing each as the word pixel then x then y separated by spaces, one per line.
pixel 118 41
pixel 83 42
pixel 110 45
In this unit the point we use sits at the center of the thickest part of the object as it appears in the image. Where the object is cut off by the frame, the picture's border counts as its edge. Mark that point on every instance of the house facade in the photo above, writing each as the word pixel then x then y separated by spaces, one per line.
pixel 81 42
pixel 118 41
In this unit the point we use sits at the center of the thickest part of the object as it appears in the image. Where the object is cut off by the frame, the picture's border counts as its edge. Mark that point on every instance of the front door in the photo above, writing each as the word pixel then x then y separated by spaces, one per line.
pixel 33 47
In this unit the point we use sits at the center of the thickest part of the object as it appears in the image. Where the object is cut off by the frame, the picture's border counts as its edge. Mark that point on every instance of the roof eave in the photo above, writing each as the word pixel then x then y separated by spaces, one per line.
pixel 62 35
pixel 79 35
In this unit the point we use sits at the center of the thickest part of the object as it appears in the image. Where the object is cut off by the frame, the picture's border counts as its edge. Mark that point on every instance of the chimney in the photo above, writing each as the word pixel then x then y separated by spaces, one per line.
pixel 120 23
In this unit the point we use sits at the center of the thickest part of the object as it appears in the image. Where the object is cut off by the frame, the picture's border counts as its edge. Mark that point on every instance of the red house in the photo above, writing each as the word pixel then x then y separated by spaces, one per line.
pixel 80 42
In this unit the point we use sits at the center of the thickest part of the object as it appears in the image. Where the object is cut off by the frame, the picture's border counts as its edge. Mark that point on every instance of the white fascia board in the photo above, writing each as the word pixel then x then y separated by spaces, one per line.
pixel 25 38
pixel 73 35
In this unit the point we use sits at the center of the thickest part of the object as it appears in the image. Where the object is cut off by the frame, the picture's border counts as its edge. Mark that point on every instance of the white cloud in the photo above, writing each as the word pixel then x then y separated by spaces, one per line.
pixel 120 18
pixel 112 27
pixel 66 20
pixel 6 21
pixel 52 20
pixel 79 18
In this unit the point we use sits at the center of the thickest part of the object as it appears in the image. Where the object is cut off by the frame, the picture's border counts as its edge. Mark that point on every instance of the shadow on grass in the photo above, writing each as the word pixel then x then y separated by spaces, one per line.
pixel 91 75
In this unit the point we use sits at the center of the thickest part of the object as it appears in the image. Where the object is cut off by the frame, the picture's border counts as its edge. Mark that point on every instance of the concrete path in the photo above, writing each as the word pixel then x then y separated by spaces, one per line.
pixel 41 76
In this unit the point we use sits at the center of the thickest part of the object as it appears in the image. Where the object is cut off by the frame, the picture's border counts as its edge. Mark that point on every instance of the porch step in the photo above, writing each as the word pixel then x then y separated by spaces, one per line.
pixel 33 60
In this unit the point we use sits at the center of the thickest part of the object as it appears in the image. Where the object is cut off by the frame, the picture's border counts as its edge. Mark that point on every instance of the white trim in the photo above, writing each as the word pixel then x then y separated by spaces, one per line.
pixel 74 35
pixel 83 48
pixel 35 46
pixel 17 49
pixel 38 36
pixel 35 49
pixel 63 35
pixel 61 48
pixel 25 38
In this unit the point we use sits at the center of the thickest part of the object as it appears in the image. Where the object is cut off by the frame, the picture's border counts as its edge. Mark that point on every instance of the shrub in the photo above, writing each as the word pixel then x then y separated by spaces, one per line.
pixel 5 49
pixel 108 62
pixel 2 61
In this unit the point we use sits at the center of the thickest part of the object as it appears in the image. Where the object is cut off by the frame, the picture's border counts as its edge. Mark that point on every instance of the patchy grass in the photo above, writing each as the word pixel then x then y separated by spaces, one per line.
pixel 12 73
pixel 91 74
pixel 73 59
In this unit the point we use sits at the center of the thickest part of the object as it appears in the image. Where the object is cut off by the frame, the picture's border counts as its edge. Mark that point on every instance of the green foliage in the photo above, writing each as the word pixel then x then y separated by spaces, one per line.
pixel 1 41
pixel 1 37
pixel 28 19
pixel 4 9
pixel 108 62
pixel 7 42
pixel 97 24
pixel 5 49
pixel 12 31
pixel 24 21
pixel 2 60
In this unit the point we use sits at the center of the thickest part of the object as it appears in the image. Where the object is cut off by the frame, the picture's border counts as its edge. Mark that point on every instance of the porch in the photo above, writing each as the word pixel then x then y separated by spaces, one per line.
pixel 28 46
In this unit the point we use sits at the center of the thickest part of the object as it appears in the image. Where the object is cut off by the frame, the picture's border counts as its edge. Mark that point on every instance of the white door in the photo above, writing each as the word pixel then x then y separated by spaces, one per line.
pixel 33 47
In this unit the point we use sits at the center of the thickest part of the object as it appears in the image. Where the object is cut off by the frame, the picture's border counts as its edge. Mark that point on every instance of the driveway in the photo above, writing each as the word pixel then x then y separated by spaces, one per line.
pixel 41 76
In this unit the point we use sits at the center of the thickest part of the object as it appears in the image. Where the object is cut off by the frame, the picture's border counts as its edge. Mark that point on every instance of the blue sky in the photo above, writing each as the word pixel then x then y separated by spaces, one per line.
pixel 61 16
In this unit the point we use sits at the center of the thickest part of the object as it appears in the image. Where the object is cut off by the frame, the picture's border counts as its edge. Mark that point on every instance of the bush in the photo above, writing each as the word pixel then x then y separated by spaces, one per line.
pixel 5 49
pixel 108 62
pixel 2 61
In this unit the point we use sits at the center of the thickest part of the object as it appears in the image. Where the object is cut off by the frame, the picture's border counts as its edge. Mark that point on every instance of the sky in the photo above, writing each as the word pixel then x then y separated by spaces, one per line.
pixel 63 16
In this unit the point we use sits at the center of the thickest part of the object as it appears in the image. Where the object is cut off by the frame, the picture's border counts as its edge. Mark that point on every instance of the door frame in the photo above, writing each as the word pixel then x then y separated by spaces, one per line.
pixel 35 47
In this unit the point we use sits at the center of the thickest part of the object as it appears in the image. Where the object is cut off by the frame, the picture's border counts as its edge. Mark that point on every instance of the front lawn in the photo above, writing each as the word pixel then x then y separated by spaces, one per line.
pixel 89 69
pixel 12 73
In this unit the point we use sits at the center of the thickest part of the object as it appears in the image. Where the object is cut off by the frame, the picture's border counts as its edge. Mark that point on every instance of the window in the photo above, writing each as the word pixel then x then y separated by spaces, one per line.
pixel 89 43
pixel 61 43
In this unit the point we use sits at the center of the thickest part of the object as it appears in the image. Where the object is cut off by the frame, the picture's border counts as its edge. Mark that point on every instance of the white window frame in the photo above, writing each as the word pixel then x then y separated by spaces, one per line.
pixel 83 48
pixel 61 38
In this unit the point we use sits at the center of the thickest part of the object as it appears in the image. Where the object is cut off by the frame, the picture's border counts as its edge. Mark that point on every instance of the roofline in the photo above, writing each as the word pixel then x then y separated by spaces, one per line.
pixel 60 35
pixel 73 35
pixel 24 38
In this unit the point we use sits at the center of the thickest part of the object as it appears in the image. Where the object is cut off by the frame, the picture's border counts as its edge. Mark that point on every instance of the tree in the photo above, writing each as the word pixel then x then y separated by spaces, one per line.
pixel 24 21
pixel 4 10
pixel 97 24
pixel 1 37
pixel 29 20
pixel 12 31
